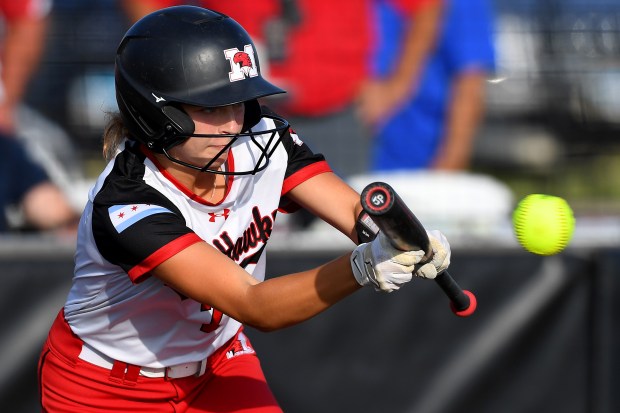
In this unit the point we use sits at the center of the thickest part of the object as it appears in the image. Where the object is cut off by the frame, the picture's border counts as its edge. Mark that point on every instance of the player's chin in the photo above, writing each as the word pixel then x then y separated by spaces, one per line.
pixel 216 163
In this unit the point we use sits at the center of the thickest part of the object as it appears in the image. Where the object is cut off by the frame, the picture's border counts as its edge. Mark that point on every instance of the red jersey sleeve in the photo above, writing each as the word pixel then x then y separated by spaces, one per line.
pixel 159 4
pixel 252 15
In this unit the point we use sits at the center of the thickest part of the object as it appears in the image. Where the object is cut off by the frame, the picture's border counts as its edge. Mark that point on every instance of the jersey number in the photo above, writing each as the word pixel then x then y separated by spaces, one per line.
pixel 216 319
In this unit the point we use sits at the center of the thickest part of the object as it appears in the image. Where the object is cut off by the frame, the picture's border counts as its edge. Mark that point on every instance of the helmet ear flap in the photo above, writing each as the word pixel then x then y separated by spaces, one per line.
pixel 176 131
pixel 181 121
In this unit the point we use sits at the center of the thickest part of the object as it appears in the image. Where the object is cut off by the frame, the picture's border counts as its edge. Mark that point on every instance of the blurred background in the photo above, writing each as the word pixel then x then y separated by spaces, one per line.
pixel 552 108
pixel 544 336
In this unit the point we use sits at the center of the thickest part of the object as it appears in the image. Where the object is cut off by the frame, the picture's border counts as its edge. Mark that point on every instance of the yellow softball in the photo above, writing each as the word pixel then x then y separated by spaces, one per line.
pixel 543 224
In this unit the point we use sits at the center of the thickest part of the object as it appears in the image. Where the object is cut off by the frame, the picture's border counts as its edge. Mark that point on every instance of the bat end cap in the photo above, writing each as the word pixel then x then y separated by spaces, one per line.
pixel 473 303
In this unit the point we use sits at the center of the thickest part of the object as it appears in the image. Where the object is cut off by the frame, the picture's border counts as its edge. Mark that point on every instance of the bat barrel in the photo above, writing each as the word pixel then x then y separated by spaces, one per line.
pixel 378 198
pixel 394 218
pixel 407 233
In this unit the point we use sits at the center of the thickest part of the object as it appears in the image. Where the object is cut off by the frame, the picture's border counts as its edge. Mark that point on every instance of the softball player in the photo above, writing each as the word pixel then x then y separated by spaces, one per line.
pixel 170 259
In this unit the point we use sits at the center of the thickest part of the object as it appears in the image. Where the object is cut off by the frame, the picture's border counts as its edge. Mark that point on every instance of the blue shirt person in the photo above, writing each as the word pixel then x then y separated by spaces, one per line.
pixel 436 126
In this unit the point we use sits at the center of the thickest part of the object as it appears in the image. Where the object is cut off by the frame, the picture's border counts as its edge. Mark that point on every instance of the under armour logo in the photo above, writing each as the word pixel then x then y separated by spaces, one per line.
pixel 224 214
pixel 157 98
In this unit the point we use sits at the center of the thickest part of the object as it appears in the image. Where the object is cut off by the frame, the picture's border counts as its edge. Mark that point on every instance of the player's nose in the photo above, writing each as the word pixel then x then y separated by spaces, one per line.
pixel 232 119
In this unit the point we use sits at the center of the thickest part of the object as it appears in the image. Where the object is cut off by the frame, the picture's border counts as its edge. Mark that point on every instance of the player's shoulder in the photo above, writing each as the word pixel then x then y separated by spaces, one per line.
pixel 268 111
pixel 270 120
pixel 123 181
pixel 290 138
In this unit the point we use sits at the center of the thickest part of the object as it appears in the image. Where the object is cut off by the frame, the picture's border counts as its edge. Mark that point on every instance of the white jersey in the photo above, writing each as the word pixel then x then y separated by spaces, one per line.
pixel 138 216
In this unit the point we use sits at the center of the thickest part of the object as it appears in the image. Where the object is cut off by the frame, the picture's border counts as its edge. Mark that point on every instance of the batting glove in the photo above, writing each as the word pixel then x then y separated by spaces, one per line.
pixel 386 268
pixel 441 256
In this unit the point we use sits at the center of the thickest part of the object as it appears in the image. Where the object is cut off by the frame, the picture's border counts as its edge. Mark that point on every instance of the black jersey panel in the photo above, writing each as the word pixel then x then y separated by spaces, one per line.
pixel 131 220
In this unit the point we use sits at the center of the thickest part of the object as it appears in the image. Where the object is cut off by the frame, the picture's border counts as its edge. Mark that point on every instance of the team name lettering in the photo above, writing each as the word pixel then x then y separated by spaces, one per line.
pixel 258 232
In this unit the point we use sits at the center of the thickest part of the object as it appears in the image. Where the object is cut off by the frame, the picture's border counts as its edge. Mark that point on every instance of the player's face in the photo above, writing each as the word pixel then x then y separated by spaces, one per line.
pixel 210 121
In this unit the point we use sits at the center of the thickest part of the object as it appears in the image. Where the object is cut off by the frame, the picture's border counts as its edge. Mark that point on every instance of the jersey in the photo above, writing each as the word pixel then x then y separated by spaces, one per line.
pixel 138 216
pixel 14 10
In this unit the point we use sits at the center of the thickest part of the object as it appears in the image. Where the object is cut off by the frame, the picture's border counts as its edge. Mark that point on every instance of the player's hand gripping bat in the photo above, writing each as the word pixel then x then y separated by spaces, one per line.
pixel 395 219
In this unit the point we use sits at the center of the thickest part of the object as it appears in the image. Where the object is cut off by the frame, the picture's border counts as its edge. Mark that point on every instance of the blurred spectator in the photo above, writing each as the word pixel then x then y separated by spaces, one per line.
pixel 24 29
pixel 25 185
pixel 434 127
pixel 28 199
pixel 382 94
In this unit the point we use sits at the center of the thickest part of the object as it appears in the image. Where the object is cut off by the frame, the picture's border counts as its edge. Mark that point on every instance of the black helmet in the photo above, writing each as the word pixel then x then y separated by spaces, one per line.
pixel 187 55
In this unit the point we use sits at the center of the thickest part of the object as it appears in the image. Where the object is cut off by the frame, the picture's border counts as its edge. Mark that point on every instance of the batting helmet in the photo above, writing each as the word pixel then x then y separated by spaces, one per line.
pixel 187 55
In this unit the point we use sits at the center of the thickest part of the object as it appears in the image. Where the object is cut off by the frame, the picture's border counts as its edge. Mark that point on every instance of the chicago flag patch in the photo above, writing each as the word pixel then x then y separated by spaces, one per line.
pixel 124 216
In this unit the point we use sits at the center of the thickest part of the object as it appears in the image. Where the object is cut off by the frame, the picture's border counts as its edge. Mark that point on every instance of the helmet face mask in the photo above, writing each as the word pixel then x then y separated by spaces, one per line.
pixel 186 55
pixel 266 141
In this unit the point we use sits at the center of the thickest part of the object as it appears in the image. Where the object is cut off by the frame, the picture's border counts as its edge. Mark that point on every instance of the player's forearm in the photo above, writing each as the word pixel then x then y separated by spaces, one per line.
pixel 464 116
pixel 331 199
pixel 46 207
pixel 420 40
pixel 287 300
pixel 22 52
pixel 206 275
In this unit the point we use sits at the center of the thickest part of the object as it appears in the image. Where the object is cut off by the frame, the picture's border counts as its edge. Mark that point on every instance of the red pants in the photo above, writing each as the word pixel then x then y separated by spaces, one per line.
pixel 69 384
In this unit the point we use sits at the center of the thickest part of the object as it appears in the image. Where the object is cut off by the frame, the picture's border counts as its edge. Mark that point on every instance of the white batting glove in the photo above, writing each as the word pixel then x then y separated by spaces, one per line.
pixel 379 264
pixel 441 256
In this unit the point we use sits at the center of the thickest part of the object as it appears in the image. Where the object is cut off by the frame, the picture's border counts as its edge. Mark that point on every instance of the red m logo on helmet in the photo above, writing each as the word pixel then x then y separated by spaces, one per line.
pixel 242 63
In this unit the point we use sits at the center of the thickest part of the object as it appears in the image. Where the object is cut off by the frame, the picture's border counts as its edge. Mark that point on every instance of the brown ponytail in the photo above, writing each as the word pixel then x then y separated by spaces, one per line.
pixel 113 135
